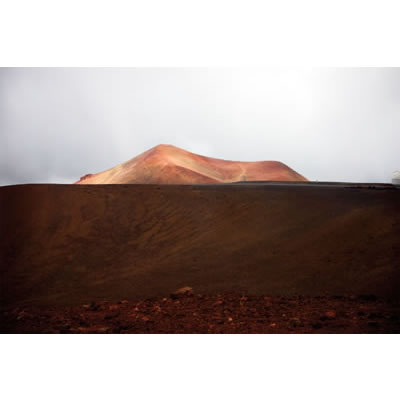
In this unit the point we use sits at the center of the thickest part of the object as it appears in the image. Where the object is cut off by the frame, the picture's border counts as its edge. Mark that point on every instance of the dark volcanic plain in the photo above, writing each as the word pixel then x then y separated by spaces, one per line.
pixel 64 246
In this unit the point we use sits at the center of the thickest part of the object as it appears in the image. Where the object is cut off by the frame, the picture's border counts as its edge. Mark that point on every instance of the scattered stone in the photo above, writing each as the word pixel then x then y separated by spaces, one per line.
pixel 223 311
pixel 182 292
pixel 21 315
pixel 329 315
pixel 94 306
pixel 104 329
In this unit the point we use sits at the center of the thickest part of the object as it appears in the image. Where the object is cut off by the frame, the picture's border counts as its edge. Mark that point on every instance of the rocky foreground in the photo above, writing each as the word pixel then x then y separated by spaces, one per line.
pixel 186 312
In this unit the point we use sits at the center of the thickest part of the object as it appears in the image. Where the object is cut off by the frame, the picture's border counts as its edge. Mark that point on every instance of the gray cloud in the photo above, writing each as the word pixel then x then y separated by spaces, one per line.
pixel 58 124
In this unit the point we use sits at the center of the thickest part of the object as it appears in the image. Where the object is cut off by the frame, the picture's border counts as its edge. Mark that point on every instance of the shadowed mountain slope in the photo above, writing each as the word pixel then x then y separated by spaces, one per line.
pixel 71 244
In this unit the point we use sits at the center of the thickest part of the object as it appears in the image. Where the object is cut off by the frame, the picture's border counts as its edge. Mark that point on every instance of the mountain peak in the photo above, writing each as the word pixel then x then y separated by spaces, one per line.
pixel 168 164
pixel 165 147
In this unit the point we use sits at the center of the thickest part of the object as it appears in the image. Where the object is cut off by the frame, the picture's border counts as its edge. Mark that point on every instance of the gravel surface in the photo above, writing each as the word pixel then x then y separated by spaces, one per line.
pixel 226 313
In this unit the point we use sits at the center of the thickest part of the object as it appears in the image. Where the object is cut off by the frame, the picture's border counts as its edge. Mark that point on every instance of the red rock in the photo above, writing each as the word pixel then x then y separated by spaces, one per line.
pixel 182 292
pixel 102 329
pixel 330 314
pixel 85 177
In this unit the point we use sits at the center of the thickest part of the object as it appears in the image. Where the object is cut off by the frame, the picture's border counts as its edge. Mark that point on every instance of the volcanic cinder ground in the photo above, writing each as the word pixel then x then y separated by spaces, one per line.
pixel 305 247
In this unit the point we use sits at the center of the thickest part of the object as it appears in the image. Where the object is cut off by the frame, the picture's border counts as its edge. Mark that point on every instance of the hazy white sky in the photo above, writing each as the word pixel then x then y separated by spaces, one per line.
pixel 328 124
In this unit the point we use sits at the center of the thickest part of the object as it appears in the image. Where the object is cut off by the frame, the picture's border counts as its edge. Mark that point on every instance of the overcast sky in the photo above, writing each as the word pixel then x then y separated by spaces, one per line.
pixel 328 124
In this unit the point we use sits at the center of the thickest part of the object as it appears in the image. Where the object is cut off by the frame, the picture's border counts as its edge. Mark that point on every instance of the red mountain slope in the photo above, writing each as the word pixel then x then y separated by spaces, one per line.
pixel 166 164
